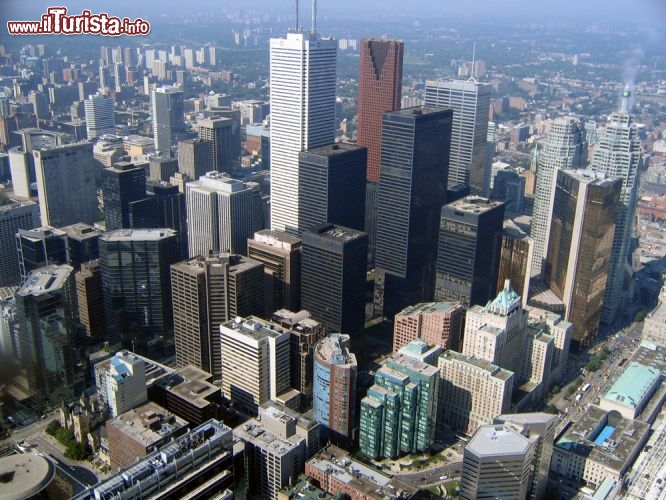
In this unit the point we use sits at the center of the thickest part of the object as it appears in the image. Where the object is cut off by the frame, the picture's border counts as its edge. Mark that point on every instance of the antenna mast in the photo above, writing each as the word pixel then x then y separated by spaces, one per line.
pixel 296 16
pixel 471 75
pixel 314 17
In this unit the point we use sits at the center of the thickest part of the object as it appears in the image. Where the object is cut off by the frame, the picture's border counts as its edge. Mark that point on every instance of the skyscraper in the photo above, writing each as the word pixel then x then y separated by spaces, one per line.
pixel 618 154
pixel 66 184
pixel 564 148
pixel 470 102
pixel 302 96
pixel 40 247
pixel 398 413
pixel 46 318
pixel 498 462
pixel 100 118
pixel 222 214
pixel 89 294
pixel 331 185
pixel 122 184
pixel 412 190
pixel 219 132
pixel 136 282
pixel 334 388
pixel 255 362
pixel 168 118
pixel 14 216
pixel 468 256
pixel 379 91
pixel 333 276
pixel 585 206
pixel 516 255
pixel 496 332
pixel 195 157
pixel 205 293
pixel 280 254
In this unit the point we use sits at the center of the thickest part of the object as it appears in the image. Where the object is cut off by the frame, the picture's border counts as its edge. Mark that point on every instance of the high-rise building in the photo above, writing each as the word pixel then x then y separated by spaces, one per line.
pixel 121 382
pixel 564 147
pixel 164 206
pixel 136 282
pixel 412 190
pixel 222 214
pixel 40 247
pixel 100 118
pixel 436 323
pixel 539 427
pixel 66 184
pixel 473 391
pixel 334 388
pixel 91 300
pixel 470 102
pixel 498 462
pixel 515 262
pixel 275 452
pixel 331 185
pixel 305 333
pixel 14 216
pixel 585 206
pixel 206 292
pixel 379 91
pixel 398 414
pixel 618 154
pixel 496 332
pixel 168 118
pixel 302 97
pixel 162 168
pixel 281 255
pixel 122 184
pixel 333 276
pixel 195 157
pixel 255 364
pixel 46 314
pixel 82 244
pixel 468 256
pixel 219 132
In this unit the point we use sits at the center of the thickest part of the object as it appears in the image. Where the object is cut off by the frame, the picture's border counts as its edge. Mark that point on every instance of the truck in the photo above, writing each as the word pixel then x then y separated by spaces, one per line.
pixel 585 387
pixel 578 397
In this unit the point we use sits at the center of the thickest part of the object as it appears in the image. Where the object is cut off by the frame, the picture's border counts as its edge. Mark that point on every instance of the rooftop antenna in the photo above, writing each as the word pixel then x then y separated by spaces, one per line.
pixel 473 61
pixel 296 16
pixel 314 17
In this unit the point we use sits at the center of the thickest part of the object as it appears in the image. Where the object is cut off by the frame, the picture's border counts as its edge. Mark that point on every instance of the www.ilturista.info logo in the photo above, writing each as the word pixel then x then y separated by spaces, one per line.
pixel 56 22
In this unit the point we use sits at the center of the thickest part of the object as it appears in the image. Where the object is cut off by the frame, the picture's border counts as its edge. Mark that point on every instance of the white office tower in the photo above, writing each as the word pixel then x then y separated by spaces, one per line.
pixel 100 117
pixel 564 147
pixel 222 213
pixel 498 462
pixel 121 382
pixel 302 98
pixel 618 154
pixel 470 102
pixel 255 364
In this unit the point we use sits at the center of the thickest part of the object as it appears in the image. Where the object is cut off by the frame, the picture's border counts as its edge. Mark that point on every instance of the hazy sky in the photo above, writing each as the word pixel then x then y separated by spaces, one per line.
pixel 603 10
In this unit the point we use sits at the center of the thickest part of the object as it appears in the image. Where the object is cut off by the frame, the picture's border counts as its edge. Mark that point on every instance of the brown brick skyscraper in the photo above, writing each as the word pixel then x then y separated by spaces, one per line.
pixel 380 85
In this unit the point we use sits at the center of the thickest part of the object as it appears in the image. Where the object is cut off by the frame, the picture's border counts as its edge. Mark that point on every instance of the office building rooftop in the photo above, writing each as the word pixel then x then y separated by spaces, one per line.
pixel 497 440
pixel 44 280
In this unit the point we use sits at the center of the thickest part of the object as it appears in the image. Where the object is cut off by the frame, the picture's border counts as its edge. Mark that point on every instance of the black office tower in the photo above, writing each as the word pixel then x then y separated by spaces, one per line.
pixel 331 184
pixel 470 234
pixel 412 190
pixel 136 283
pixel 333 276
pixel 121 185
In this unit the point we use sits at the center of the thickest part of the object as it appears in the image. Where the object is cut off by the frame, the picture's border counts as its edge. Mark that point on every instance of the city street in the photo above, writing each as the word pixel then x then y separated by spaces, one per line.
pixel 433 475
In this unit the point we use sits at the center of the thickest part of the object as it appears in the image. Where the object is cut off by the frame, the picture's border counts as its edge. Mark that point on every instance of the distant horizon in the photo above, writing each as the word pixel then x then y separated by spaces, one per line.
pixel 602 11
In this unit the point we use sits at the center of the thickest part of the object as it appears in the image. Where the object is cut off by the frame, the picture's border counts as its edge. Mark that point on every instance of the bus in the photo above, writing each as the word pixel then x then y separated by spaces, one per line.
pixel 585 387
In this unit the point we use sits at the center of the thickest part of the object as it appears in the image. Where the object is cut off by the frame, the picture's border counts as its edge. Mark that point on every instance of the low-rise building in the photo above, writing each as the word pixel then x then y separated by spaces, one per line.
pixel 631 392
pixel 336 472
pixel 600 445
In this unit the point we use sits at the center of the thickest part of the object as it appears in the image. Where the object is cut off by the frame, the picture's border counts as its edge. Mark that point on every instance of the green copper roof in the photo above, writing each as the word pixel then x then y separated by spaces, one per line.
pixel 633 385
pixel 506 298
